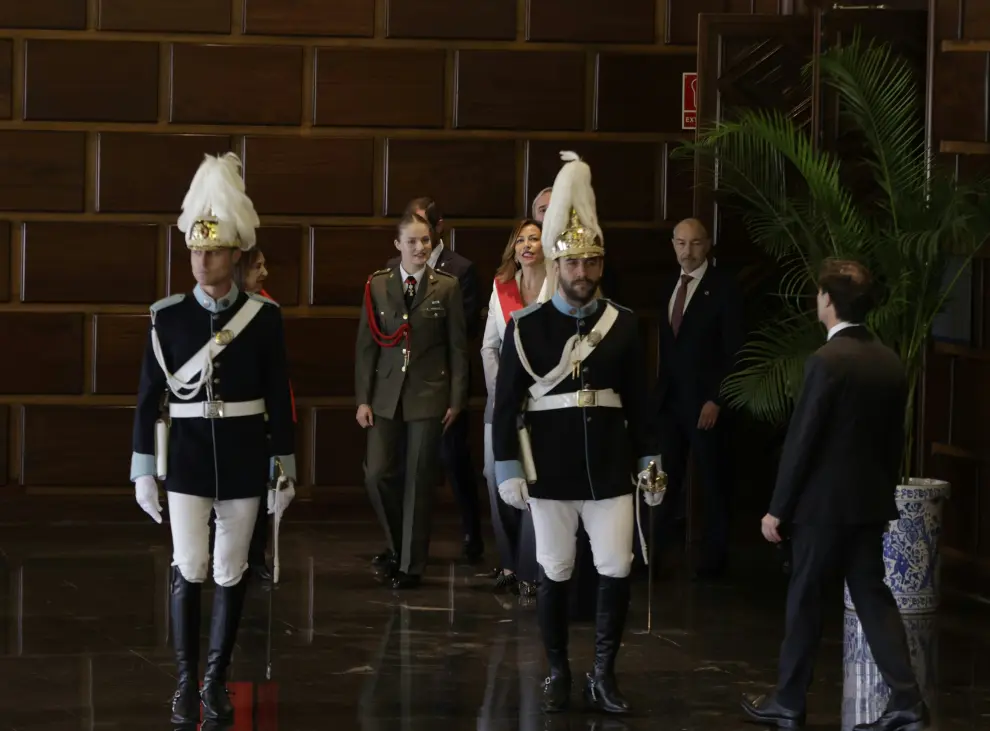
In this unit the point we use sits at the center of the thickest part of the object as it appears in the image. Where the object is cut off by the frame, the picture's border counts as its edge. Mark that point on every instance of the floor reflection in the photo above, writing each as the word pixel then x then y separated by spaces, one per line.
pixel 84 643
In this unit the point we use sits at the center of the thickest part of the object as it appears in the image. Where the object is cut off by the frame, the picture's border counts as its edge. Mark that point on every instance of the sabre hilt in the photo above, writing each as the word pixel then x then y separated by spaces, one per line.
pixel 655 480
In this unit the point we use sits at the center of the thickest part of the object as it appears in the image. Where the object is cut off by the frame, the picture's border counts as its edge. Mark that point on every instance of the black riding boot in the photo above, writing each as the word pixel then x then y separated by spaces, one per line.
pixel 601 690
pixel 257 563
pixel 228 604
pixel 184 611
pixel 551 605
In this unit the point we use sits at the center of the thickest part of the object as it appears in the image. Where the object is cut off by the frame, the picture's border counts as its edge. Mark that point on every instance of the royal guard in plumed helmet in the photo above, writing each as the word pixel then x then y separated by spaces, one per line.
pixel 572 435
pixel 214 423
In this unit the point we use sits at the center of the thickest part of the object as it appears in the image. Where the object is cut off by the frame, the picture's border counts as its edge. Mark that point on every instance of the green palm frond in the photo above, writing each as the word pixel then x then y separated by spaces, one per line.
pixel 878 95
pixel 772 366
pixel 888 206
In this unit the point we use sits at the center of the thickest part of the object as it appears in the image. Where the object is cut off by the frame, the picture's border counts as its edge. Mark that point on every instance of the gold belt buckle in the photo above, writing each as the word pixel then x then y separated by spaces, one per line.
pixel 587 398
pixel 213 409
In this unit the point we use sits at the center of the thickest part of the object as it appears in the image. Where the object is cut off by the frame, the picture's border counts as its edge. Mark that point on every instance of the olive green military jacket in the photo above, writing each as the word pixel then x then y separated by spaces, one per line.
pixel 437 375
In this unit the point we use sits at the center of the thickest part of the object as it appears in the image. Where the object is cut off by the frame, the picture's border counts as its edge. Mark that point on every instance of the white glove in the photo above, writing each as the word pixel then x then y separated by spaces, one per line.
pixel 650 498
pixel 514 492
pixel 653 498
pixel 146 494
pixel 281 496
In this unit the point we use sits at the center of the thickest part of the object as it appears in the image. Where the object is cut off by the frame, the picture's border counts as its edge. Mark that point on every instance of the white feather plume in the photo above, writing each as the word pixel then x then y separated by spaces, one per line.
pixel 571 189
pixel 217 191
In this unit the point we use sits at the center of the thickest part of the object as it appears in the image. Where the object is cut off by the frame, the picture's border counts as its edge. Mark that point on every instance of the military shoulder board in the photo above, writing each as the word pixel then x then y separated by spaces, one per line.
pixel 616 305
pixel 167 302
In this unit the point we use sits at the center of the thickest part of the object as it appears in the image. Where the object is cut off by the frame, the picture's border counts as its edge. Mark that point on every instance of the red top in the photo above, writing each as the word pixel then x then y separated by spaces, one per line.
pixel 509 297
pixel 263 293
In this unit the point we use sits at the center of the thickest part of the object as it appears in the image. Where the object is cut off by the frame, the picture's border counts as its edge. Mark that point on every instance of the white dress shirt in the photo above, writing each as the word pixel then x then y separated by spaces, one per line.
pixel 435 256
pixel 839 327
pixel 696 276
pixel 405 275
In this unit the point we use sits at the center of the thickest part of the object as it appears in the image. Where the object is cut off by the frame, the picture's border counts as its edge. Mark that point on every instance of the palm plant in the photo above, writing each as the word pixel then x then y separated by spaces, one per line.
pixel 802 204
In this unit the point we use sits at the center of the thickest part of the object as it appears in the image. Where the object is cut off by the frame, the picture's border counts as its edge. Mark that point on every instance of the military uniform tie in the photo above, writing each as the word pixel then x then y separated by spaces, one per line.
pixel 410 290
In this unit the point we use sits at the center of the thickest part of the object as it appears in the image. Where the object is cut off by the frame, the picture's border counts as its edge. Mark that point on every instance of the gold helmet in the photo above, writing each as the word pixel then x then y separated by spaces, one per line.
pixel 570 226
pixel 216 212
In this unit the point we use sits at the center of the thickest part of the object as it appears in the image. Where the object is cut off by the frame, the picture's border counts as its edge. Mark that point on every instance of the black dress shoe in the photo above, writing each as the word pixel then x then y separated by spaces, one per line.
pixel 384 558
pixel 767 711
pixel 406 581
pixel 913 719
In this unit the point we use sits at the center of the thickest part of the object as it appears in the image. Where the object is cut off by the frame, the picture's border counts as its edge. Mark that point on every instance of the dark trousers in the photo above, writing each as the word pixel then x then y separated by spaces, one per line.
pixel 827 554
pixel 680 437
pixel 456 454
pixel 401 470
pixel 259 538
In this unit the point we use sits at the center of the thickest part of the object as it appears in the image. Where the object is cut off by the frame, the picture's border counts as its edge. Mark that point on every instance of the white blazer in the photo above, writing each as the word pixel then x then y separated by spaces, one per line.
pixel 491 343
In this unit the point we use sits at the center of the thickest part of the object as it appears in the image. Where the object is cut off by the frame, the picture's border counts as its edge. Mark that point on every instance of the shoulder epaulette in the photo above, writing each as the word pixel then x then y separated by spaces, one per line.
pixel 444 274
pixel 617 306
pixel 517 315
pixel 261 298
pixel 168 302
pixel 380 272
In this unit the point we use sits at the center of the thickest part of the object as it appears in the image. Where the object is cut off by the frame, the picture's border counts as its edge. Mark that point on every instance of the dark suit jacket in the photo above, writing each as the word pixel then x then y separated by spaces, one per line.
pixel 453 263
pixel 705 351
pixel 842 455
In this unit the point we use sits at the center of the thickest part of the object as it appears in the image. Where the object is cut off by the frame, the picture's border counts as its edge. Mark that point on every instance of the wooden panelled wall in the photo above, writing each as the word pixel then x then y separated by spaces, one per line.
pixel 957 398
pixel 342 111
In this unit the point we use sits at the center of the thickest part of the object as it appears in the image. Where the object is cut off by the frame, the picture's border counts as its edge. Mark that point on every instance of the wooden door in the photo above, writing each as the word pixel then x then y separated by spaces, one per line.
pixel 746 61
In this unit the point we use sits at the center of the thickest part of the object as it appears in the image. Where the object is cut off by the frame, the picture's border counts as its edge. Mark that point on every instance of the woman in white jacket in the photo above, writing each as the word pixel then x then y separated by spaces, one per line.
pixel 518 283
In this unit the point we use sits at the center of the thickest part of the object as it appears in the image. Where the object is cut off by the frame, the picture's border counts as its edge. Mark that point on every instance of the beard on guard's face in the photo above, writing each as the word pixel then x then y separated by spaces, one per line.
pixel 580 290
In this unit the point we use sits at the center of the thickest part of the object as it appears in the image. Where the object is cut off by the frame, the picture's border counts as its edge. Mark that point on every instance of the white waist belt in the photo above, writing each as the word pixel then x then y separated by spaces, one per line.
pixel 579 399
pixel 216 409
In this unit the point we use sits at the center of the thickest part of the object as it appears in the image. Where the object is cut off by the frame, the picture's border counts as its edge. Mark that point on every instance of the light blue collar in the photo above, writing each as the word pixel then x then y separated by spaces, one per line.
pixel 577 312
pixel 208 303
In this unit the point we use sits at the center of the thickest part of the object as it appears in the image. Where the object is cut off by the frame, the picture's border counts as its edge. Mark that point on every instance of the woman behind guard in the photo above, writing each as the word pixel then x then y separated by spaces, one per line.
pixel 518 283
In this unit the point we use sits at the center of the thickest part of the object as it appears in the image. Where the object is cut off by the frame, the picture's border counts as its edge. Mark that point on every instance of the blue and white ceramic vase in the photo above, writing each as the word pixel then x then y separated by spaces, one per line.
pixel 911 547
pixel 864 692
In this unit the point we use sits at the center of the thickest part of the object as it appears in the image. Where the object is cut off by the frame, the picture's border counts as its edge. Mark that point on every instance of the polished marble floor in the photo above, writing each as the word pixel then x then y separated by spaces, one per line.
pixel 85 638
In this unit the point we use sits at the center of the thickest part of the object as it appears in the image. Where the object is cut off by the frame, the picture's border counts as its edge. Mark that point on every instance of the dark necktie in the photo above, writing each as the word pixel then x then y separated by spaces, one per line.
pixel 410 290
pixel 677 316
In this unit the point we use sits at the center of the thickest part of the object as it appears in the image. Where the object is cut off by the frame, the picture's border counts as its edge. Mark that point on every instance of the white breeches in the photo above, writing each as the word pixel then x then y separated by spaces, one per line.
pixel 609 524
pixel 189 516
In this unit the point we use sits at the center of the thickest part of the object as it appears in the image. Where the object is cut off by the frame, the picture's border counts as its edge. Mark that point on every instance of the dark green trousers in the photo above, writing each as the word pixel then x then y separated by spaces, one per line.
pixel 401 471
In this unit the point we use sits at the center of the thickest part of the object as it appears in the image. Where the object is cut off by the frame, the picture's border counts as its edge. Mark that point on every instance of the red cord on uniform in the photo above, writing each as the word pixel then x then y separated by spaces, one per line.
pixel 383 340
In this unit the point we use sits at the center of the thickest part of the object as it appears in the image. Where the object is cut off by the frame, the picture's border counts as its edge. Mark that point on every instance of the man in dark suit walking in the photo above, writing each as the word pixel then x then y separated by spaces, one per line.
pixel 701 334
pixel 455 446
pixel 835 493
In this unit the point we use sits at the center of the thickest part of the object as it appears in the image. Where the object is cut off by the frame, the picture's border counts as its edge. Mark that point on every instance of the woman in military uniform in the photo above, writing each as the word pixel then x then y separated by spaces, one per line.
pixel 410 384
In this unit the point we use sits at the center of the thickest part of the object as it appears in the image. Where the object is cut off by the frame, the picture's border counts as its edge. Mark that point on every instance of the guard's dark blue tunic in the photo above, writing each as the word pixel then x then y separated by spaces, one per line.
pixel 579 453
pixel 226 458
